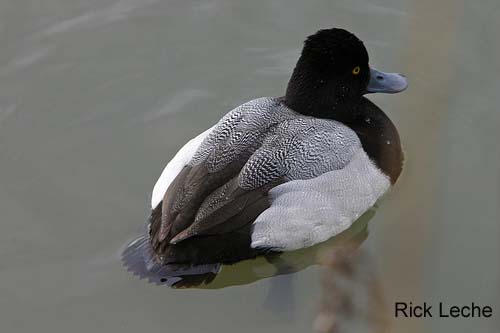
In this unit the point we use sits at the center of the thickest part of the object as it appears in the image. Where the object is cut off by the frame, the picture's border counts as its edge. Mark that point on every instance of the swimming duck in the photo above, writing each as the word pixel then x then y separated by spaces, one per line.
pixel 276 173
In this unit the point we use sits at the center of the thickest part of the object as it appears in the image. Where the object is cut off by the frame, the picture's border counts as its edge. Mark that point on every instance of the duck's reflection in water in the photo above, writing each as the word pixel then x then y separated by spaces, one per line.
pixel 351 295
pixel 352 299
pixel 249 271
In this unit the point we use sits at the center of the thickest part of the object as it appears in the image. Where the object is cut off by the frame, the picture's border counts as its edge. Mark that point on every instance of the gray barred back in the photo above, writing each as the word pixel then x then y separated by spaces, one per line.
pixel 277 142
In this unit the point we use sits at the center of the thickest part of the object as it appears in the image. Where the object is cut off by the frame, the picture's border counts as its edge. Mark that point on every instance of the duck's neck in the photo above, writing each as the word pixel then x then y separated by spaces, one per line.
pixel 379 138
pixel 335 109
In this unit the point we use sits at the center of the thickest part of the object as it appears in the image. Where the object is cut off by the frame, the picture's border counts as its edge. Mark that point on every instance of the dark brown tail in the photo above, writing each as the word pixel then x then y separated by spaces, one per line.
pixel 139 258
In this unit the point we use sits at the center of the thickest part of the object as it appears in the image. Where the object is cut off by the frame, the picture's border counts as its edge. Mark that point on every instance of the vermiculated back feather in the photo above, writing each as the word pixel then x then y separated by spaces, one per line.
pixel 255 147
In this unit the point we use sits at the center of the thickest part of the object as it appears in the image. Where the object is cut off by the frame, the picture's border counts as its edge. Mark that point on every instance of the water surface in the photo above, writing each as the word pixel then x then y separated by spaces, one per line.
pixel 96 96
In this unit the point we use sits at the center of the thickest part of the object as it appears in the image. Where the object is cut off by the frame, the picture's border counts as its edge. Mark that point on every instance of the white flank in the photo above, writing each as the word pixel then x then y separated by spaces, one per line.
pixel 307 212
pixel 175 166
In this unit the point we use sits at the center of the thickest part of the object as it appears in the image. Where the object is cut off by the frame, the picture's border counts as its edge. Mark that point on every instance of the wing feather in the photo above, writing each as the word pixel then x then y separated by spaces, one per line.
pixel 256 152
pixel 172 169
pixel 228 203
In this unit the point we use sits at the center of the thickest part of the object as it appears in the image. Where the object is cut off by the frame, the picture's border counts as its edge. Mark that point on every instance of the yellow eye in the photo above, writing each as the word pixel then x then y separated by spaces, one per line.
pixel 356 70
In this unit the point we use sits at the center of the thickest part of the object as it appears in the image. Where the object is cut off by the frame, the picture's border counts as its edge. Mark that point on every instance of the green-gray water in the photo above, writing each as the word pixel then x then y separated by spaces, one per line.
pixel 96 96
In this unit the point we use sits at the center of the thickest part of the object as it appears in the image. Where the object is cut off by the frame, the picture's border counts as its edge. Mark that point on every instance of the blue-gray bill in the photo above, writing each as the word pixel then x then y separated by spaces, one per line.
pixel 389 83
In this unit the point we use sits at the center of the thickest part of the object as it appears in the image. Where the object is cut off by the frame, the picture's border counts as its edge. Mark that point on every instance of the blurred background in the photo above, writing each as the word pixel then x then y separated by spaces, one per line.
pixel 97 95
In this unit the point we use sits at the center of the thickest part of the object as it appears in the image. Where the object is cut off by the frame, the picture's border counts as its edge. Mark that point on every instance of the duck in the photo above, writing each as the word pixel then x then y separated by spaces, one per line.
pixel 276 174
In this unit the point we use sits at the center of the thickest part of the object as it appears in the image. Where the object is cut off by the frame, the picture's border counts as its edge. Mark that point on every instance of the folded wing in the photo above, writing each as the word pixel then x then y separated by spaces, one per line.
pixel 226 184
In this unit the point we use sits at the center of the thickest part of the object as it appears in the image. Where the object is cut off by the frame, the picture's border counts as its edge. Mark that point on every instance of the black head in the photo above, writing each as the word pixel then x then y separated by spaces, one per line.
pixel 331 75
